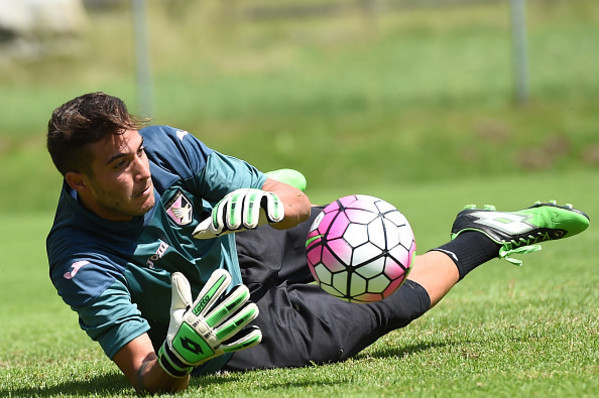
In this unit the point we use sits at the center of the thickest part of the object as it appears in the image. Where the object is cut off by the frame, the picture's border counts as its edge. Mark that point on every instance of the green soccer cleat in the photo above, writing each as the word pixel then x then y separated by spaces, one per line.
pixel 521 231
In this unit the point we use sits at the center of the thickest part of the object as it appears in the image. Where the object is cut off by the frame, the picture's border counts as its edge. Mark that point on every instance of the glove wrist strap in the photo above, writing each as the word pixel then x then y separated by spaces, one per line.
pixel 172 365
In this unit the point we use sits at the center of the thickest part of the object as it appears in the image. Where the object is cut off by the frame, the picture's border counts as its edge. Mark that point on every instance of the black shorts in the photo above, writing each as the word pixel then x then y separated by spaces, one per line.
pixel 301 324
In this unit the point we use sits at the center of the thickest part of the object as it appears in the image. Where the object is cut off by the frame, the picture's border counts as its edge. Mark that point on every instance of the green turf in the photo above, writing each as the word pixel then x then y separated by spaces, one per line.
pixel 503 331
pixel 424 94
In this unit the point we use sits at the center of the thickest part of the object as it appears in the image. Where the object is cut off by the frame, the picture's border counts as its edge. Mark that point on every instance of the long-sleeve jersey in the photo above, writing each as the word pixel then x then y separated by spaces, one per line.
pixel 116 275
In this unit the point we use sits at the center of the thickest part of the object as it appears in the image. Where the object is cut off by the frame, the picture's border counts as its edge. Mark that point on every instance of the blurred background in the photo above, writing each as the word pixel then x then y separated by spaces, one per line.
pixel 353 93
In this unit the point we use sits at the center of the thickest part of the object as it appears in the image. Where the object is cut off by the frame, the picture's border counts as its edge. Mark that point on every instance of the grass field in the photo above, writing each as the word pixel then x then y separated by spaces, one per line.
pixel 413 106
pixel 503 331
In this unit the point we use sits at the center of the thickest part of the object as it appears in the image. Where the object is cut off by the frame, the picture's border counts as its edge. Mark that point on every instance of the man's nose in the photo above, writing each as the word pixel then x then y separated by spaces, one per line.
pixel 142 168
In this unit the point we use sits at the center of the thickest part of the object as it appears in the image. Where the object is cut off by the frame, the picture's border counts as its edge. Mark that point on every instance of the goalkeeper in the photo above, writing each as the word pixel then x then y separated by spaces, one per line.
pixel 143 248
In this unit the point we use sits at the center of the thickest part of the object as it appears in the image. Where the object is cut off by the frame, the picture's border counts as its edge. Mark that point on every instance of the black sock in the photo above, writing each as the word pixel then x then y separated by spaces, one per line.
pixel 469 250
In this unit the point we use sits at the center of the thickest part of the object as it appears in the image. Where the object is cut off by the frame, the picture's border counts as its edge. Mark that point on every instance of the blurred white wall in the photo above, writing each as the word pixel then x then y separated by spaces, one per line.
pixel 26 26
pixel 34 17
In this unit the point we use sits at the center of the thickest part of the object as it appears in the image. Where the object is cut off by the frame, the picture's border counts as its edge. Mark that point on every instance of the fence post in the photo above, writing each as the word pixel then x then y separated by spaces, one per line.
pixel 519 49
pixel 142 59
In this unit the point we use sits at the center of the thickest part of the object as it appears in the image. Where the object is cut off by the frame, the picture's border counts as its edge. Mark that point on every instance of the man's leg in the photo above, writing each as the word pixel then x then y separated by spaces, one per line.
pixel 479 235
pixel 301 324
pixel 436 272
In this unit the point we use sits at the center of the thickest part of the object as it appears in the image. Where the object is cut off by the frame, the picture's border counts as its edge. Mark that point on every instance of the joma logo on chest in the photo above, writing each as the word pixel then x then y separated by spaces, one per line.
pixel 159 253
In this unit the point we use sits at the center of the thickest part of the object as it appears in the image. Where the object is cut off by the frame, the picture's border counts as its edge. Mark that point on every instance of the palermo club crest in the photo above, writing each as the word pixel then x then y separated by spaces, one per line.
pixel 179 209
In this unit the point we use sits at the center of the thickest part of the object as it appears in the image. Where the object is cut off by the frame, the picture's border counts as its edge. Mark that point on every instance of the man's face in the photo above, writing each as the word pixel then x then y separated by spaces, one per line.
pixel 120 187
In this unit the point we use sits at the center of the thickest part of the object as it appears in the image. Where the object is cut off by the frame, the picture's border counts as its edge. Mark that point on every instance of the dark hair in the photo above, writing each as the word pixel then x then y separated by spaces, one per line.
pixel 82 121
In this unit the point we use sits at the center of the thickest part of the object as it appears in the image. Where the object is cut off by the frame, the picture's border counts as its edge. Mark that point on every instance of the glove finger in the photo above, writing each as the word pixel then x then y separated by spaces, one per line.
pixel 238 321
pixel 180 292
pixel 273 208
pixel 234 210
pixel 218 215
pixel 230 303
pixel 248 337
pixel 213 289
pixel 251 208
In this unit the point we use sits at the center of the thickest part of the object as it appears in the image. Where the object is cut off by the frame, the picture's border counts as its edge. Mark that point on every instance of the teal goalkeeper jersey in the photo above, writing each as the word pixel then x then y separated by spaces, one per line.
pixel 116 275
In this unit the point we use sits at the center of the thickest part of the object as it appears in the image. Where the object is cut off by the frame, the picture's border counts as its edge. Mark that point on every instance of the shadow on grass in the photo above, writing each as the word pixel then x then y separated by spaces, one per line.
pixel 400 352
pixel 115 384
pixel 97 386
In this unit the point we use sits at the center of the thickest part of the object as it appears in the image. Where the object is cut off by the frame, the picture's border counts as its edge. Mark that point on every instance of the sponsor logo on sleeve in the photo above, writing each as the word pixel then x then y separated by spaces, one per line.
pixel 75 267
pixel 181 134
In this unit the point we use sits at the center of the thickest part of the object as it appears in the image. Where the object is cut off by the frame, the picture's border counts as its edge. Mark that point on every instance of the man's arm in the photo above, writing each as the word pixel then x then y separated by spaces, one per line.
pixel 280 205
pixel 138 361
pixel 297 204
pixel 214 324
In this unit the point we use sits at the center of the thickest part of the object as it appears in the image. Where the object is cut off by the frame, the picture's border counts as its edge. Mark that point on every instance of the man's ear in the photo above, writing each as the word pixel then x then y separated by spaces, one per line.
pixel 75 180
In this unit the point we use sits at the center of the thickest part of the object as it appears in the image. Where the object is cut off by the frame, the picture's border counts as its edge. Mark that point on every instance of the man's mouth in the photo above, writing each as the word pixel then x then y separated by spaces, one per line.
pixel 146 191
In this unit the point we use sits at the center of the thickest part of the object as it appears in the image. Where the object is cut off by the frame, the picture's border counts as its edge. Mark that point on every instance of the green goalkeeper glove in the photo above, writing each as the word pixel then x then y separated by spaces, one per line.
pixel 208 327
pixel 240 210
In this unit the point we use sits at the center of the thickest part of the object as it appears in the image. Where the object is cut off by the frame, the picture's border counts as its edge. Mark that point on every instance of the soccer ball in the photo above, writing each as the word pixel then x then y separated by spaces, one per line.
pixel 360 248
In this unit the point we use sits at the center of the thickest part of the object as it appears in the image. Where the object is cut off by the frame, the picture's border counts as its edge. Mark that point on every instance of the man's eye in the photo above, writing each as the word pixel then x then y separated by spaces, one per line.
pixel 121 164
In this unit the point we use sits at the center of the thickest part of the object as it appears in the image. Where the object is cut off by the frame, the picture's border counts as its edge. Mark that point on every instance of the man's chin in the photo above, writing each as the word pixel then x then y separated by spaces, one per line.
pixel 148 205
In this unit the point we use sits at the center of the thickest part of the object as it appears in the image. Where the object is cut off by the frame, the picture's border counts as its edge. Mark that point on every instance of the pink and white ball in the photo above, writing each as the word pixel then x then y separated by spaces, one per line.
pixel 360 248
